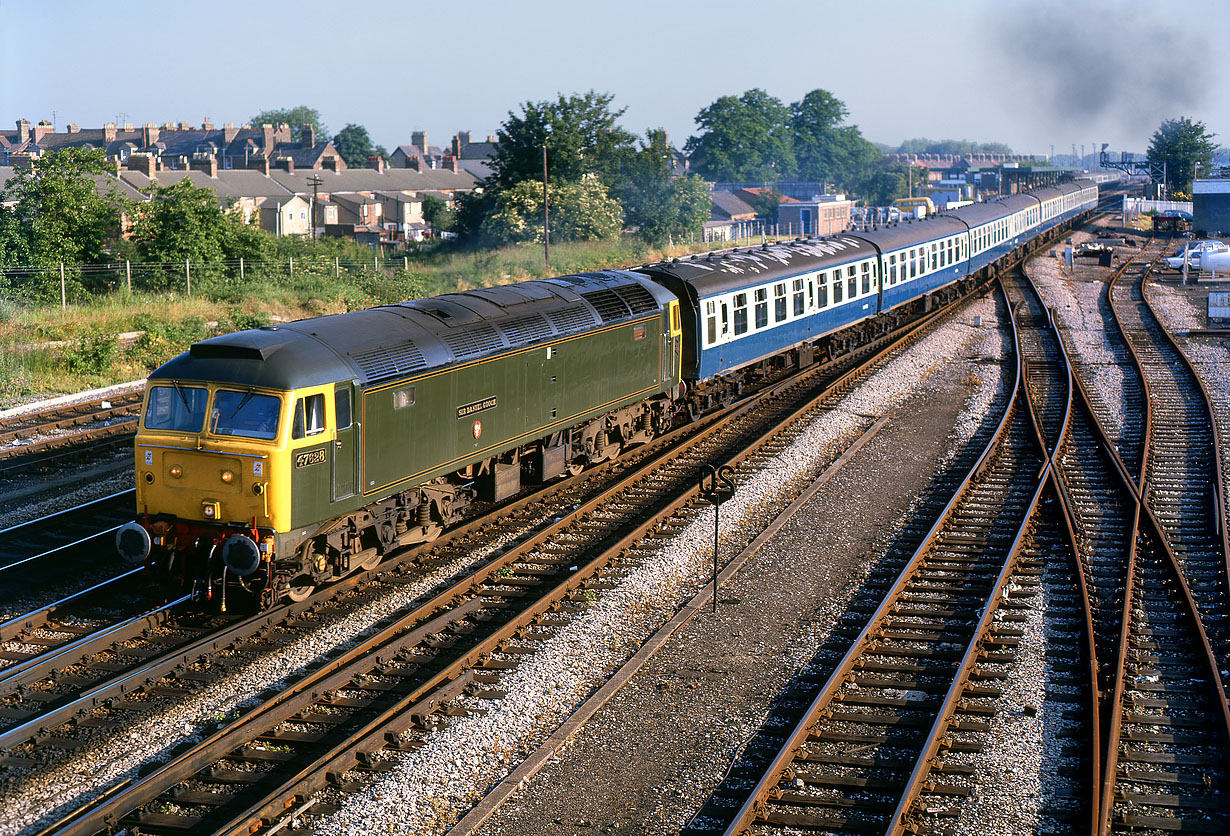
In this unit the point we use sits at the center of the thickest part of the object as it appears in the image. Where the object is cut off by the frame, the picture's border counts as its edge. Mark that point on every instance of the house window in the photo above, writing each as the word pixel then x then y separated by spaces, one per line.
pixel 762 308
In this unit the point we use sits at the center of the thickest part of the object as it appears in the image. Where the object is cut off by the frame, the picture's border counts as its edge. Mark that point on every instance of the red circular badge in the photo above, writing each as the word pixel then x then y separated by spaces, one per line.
pixel 478 428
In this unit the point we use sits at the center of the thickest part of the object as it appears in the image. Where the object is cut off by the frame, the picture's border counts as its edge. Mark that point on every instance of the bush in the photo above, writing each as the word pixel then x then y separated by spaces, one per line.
pixel 91 354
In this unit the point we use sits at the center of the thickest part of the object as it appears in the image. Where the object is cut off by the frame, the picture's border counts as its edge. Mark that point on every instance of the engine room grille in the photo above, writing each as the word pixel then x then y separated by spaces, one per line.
pixel 474 339
pixel 526 329
pixel 383 362
pixel 608 304
pixel 638 298
pixel 571 319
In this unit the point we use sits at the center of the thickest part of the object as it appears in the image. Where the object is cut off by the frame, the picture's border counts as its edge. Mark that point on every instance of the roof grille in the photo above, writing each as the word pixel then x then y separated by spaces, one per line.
pixel 608 304
pixel 472 340
pixel 571 319
pixel 526 329
pixel 638 298
pixel 383 362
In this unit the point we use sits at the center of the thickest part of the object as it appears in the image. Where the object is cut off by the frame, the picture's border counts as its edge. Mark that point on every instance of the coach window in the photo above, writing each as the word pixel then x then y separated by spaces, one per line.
pixel 711 322
pixel 779 302
pixel 824 294
pixel 309 416
pixel 836 287
pixel 866 277
pixel 934 262
pixel 762 307
pixel 740 313
pixel 913 264
pixel 892 269
pixel 851 282
pixel 798 297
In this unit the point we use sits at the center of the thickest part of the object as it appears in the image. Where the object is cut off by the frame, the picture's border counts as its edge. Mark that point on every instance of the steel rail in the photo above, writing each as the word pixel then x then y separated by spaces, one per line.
pixel 138 794
pixel 771 776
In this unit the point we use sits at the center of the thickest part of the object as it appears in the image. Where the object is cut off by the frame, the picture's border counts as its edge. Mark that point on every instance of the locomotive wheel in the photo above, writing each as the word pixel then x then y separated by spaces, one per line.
pixel 369 561
pixel 297 593
pixel 575 468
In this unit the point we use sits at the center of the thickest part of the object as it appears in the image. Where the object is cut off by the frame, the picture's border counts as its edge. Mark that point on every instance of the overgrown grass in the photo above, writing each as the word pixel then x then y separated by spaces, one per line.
pixel 46 350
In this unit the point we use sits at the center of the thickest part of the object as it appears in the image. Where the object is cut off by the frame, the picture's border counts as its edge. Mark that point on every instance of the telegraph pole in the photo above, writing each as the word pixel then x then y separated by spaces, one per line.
pixel 314 181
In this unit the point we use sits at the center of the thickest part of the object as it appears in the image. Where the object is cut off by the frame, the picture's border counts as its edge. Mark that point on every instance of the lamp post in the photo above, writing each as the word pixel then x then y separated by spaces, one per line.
pixel 546 212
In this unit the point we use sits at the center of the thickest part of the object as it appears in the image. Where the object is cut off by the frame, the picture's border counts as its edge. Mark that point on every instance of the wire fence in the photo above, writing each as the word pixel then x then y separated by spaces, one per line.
pixel 77 282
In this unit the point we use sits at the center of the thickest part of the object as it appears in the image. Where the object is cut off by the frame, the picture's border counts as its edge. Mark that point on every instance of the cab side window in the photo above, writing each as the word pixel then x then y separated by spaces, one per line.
pixel 309 416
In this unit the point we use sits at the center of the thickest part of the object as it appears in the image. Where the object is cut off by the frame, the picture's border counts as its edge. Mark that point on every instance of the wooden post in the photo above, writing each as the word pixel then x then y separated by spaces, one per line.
pixel 241 268
pixel 405 263
pixel 337 269
pixel 63 290
pixel 188 275
pixel 292 265
pixel 128 271
pixel 375 264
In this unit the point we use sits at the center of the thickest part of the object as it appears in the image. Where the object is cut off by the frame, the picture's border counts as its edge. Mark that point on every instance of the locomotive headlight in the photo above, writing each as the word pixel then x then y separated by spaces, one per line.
pixel 210 509
pixel 227 476
pixel 177 471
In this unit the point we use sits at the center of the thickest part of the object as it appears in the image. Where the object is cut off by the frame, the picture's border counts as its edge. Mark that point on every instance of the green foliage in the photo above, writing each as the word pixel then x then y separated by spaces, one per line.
pixel 580 211
pixel 438 215
pixel 766 204
pixel 955 147
pixel 657 203
pixel 744 139
pixel 65 211
pixel 1182 145
pixel 884 184
pixel 355 146
pixel 296 117
pixel 825 149
pixel 91 354
pixel 579 132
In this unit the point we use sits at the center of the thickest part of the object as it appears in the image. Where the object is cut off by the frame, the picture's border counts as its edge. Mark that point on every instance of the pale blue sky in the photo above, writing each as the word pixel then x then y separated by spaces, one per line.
pixel 1031 74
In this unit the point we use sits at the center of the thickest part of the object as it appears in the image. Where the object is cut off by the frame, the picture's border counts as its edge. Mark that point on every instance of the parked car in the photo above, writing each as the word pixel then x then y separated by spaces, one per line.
pixel 1195 250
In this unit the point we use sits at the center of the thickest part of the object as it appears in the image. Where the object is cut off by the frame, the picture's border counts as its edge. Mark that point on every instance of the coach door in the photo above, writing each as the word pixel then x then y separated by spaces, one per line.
pixel 346 448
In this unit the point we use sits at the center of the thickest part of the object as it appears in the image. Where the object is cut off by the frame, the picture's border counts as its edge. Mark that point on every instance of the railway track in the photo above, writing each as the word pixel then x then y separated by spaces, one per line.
pixel 37 432
pixel 1156 674
pixel 488 611
pixel 865 750
pixel 1181 463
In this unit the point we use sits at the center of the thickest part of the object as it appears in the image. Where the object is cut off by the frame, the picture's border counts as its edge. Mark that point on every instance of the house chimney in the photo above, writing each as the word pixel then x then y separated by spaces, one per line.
pixel 23 130
pixel 128 126
pixel 146 164
pixel 259 163
pixel 42 129
pixel 450 163
pixel 73 128
pixel 229 133
pixel 109 132
pixel 149 134
pixel 457 145
pixel 184 126
pixel 286 163
pixel 414 163
pixel 307 136
pixel 491 138
pixel 419 140
pixel 207 125
pixel 466 137
pixel 376 162
pixel 267 132
pixel 209 165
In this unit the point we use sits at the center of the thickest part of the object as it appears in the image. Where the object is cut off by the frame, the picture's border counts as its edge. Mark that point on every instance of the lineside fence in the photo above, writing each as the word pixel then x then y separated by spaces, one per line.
pixel 77 282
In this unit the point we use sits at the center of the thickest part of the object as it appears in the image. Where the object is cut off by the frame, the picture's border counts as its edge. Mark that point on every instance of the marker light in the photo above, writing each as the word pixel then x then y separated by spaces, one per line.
pixel 227 476
pixel 177 471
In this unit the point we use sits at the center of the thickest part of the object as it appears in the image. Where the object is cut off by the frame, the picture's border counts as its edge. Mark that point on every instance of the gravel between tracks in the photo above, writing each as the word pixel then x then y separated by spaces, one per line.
pixel 460 762
pixel 695 704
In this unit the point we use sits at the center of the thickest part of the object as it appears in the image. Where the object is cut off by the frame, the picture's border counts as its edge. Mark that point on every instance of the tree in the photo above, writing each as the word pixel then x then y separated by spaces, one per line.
pixel 65 210
pixel 825 149
pixel 296 117
pixel 183 221
pixel 579 132
pixel 438 215
pixel 884 184
pixel 580 211
pixel 1182 144
pixel 655 201
pixel 744 139
pixel 355 146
